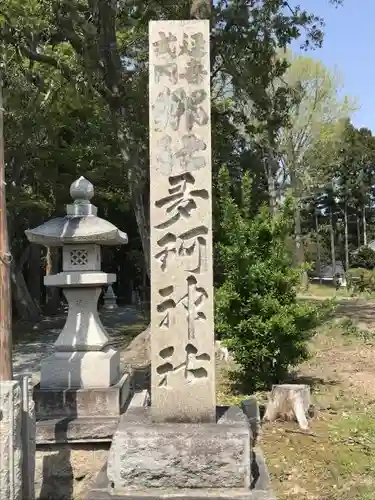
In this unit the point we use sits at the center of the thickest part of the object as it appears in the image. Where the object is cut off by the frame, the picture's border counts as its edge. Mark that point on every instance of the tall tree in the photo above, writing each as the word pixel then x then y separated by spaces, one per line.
pixel 315 116
pixel 102 46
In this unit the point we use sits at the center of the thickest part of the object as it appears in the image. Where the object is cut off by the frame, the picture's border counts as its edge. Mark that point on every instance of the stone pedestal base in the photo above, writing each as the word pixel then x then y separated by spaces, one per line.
pixel 80 369
pixel 10 441
pixel 234 432
pixel 110 306
pixel 148 458
pixel 80 415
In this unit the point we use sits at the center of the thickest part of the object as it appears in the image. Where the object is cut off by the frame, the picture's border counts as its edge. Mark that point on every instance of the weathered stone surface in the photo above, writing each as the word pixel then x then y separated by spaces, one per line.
pixel 80 225
pixel 10 441
pixel 28 431
pixel 79 280
pixel 110 299
pixel 251 409
pixel 186 495
pixel 65 472
pixel 71 403
pixel 87 429
pixel 182 338
pixel 76 430
pixel 80 369
pixel 87 334
pixel 66 230
pixel 165 456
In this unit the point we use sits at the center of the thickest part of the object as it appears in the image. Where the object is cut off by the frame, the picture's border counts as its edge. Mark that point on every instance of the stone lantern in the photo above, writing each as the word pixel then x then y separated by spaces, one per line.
pixel 110 299
pixel 83 358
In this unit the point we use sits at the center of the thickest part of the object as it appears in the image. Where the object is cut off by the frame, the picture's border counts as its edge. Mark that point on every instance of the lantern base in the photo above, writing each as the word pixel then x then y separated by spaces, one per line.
pixel 80 370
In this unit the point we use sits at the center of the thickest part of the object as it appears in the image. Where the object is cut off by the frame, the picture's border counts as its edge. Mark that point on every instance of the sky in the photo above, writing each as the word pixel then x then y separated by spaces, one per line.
pixel 349 46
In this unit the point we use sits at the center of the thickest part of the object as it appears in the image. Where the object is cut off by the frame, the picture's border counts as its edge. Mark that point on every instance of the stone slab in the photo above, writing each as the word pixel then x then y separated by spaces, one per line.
pixel 203 495
pixel 10 440
pixel 79 279
pixel 80 369
pixel 76 430
pixel 169 456
pixel 73 403
pixel 260 488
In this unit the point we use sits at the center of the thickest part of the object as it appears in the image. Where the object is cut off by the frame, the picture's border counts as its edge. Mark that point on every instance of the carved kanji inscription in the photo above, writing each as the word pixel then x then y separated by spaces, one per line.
pixel 180 201
pixel 182 338
pixel 191 368
pixel 174 108
pixel 191 301
pixel 189 246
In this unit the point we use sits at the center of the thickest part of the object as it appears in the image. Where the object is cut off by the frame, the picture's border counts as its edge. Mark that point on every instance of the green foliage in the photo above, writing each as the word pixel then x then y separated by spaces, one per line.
pixel 350 329
pixel 75 93
pixel 365 258
pixel 257 312
pixel 361 280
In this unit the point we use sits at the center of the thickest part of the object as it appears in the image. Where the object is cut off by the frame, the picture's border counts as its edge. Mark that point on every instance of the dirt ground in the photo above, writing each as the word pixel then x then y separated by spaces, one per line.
pixel 337 461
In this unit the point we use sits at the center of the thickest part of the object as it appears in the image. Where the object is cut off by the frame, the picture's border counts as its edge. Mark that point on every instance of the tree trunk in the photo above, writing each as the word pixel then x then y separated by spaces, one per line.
pixel 27 309
pixel 364 225
pixel 269 168
pixel 346 242
pixel 300 251
pixel 52 292
pixel 333 248
pixel 358 231
pixel 138 178
pixel 319 259
pixel 141 212
pixel 200 9
pixel 289 402
pixel 6 367
pixel 33 273
pixel 272 195
pixel 300 254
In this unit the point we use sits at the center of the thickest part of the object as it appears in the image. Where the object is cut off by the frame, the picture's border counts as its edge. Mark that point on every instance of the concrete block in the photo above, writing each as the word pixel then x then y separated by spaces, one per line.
pixel 87 429
pixel 76 430
pixel 73 403
pixel 145 456
pixel 65 370
pixel 10 440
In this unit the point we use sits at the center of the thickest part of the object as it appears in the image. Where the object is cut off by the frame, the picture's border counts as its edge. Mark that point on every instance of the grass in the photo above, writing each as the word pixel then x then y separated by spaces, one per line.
pixel 329 291
pixel 337 460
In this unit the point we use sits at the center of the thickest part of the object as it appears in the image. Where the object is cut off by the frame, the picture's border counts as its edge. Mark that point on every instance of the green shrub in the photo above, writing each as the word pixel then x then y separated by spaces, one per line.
pixel 361 280
pixel 256 308
pixel 365 258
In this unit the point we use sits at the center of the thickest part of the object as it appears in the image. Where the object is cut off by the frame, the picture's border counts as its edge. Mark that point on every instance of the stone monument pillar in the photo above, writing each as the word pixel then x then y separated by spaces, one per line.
pixel 182 340
pixel 84 362
pixel 183 446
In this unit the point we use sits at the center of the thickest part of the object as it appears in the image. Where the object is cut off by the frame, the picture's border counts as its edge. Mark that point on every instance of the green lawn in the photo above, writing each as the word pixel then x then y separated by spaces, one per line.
pixel 327 291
